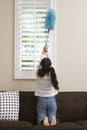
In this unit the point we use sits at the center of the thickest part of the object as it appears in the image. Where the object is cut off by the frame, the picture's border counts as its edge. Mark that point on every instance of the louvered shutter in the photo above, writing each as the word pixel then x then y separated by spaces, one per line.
pixel 30 36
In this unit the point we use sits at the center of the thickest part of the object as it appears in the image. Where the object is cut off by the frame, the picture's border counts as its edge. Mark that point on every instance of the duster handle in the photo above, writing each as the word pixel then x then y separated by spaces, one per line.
pixel 47 36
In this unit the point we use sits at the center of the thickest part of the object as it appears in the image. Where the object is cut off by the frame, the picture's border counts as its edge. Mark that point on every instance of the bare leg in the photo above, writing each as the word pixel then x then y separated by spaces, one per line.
pixel 53 121
pixel 45 121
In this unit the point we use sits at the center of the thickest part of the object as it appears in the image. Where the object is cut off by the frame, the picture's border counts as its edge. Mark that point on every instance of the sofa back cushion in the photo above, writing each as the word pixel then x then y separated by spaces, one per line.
pixel 27 107
pixel 72 106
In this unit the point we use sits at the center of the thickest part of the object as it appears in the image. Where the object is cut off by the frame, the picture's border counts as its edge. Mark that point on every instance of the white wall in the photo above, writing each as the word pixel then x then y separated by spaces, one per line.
pixel 7 81
pixel 72 44
pixel 71 54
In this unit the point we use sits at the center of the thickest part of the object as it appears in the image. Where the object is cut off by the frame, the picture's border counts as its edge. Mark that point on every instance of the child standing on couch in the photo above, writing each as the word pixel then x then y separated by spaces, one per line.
pixel 46 89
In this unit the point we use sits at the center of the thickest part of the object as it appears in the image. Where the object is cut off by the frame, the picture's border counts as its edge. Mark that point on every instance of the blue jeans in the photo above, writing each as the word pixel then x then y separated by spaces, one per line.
pixel 46 106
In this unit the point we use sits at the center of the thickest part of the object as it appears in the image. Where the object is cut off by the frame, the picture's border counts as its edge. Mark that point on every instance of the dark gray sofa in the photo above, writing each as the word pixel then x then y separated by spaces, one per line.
pixel 72 113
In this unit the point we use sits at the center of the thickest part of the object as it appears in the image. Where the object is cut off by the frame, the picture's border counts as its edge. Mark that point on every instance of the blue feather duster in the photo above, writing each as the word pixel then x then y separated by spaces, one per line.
pixel 50 19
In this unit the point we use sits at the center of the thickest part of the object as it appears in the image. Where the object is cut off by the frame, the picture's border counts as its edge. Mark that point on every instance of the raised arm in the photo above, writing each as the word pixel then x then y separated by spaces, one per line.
pixel 44 54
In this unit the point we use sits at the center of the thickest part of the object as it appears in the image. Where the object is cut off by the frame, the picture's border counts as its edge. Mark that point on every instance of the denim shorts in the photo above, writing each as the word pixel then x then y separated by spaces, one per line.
pixel 46 106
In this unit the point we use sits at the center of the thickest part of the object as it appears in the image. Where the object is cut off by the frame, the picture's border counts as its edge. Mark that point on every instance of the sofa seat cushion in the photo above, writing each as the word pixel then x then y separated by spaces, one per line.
pixel 60 126
pixel 83 123
pixel 15 125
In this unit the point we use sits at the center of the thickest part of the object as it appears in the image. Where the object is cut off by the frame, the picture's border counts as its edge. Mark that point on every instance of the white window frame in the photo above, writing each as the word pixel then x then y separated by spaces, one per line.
pixel 26 74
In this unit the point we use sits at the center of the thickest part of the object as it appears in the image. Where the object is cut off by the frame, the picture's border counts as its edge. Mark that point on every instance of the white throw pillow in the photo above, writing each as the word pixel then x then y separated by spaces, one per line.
pixel 9 105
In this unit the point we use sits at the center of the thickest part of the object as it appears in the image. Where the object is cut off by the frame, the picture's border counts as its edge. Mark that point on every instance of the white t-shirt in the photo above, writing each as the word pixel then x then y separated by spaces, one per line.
pixel 44 87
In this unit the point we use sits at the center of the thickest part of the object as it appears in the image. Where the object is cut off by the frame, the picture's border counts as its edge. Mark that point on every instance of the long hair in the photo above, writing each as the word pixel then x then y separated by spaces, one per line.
pixel 44 68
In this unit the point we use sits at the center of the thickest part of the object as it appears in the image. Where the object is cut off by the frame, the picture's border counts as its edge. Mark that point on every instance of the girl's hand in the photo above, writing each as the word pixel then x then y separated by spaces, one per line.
pixel 46 48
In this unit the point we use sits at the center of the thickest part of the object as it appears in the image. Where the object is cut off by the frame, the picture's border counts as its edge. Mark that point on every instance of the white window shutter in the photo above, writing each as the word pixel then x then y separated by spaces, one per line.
pixel 30 36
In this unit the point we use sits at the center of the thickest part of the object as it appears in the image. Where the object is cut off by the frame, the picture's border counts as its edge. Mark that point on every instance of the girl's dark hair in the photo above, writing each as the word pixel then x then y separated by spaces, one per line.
pixel 44 68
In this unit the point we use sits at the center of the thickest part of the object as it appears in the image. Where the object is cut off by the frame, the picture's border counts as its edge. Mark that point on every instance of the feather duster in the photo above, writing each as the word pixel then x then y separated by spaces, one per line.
pixel 50 21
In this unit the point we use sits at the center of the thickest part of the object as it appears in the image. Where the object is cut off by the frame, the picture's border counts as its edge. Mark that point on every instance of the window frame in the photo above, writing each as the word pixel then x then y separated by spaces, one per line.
pixel 27 74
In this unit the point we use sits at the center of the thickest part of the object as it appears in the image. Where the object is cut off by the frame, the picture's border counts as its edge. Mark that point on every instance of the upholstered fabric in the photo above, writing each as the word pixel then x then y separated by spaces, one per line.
pixel 83 123
pixel 72 106
pixel 72 113
pixel 60 126
pixel 15 125
pixel 28 107
pixel 9 105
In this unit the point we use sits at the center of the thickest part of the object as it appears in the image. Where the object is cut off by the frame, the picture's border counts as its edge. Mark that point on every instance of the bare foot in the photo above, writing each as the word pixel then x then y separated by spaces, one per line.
pixel 45 121
pixel 53 121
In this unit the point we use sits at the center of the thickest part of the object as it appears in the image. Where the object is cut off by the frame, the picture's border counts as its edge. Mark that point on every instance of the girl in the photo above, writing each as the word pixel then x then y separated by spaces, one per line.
pixel 46 89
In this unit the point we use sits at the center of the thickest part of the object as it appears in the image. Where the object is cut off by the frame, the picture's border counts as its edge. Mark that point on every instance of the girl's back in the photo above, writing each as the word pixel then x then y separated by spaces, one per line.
pixel 44 87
